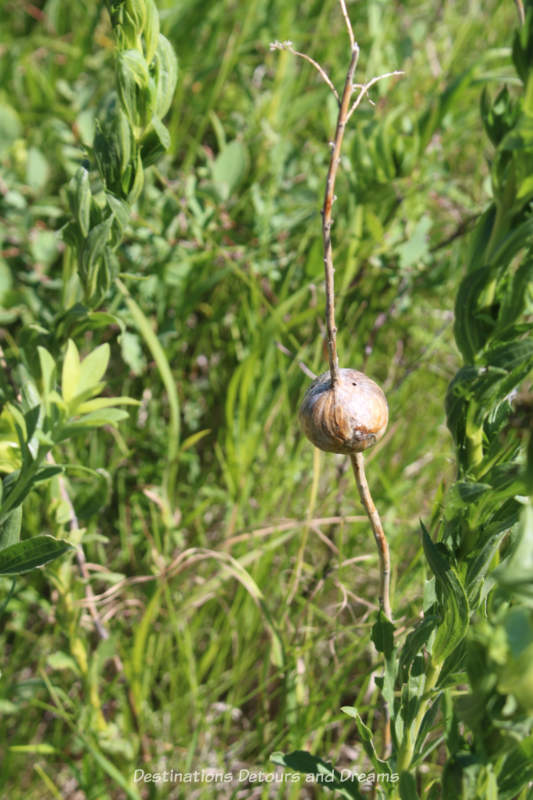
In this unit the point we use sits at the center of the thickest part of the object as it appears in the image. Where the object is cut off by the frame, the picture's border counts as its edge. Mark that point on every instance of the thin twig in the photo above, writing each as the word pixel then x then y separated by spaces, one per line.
pixel 305 369
pixel 329 197
pixel 321 71
pixel 366 86
pixel 358 464
pixel 348 24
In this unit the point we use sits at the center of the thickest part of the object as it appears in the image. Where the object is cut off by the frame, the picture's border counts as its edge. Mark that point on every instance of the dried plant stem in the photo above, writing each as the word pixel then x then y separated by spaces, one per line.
pixel 521 12
pixel 80 557
pixel 329 197
pixel 358 464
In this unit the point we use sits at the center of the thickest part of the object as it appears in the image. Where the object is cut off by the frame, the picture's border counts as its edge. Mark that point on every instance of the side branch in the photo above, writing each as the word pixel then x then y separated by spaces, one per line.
pixel 321 71
pixel 366 86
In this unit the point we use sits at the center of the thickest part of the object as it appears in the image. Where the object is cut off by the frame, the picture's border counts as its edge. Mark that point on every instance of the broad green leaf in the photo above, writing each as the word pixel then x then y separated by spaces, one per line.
pixel 138 180
pixel 114 145
pixel 453 605
pixel 326 776
pixel 416 247
pixel 478 568
pixel 514 299
pixel 407 787
pixel 10 454
pixel 121 210
pixel 470 331
pixel 229 168
pixel 31 553
pixel 93 368
pixel 151 30
pixel 154 143
pixel 515 574
pixel 45 473
pixel 510 355
pixel 62 661
pixel 416 641
pixel 383 638
pixel 135 14
pixel 165 73
pixel 80 199
pixel 37 169
pixel 93 250
pixel 48 370
pixel 105 402
pixel 132 353
pixel 107 416
pixel 70 375
pixel 10 528
pixel 133 82
pixel 432 118
pixel 517 770
pixel 19 423
pixel 10 127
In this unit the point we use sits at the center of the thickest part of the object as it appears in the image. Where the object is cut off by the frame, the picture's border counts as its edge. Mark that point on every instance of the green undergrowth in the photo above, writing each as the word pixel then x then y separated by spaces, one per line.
pixel 238 609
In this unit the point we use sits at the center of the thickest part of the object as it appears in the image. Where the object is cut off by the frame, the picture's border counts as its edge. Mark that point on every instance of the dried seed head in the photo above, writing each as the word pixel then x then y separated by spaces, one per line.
pixel 347 419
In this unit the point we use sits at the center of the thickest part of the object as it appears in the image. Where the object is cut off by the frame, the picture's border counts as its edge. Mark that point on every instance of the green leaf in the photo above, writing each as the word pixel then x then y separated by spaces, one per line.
pixel 154 143
pixel 515 574
pixel 121 213
pixel 138 180
pixel 365 735
pixel 416 640
pixel 229 168
pixel 133 81
pixel 45 473
pixel 93 251
pixel 383 635
pixel 93 368
pixel 37 169
pixel 107 416
pixel 516 771
pixel 514 299
pixel 10 528
pixel 324 773
pixel 80 199
pixel 511 355
pixel 165 75
pixel 31 553
pixel 114 146
pixel 105 402
pixel 407 787
pixel 151 30
pixel 10 127
pixel 454 602
pixel 48 370
pixel 470 331
pixel 70 375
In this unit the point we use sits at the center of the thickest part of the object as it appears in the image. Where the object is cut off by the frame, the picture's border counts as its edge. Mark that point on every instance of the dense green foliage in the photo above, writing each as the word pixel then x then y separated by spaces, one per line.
pixel 235 576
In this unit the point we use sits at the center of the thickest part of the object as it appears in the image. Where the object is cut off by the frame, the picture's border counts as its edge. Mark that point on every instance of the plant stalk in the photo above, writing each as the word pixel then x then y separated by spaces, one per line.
pixel 358 464
pixel 329 198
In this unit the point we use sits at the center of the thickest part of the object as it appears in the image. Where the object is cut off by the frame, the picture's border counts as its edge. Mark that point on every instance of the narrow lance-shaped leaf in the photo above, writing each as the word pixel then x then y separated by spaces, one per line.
pixel 70 374
pixel 454 602
pixel 31 553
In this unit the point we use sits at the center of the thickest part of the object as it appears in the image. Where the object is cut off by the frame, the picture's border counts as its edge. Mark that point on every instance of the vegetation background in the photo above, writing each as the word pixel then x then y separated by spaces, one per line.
pixel 238 616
